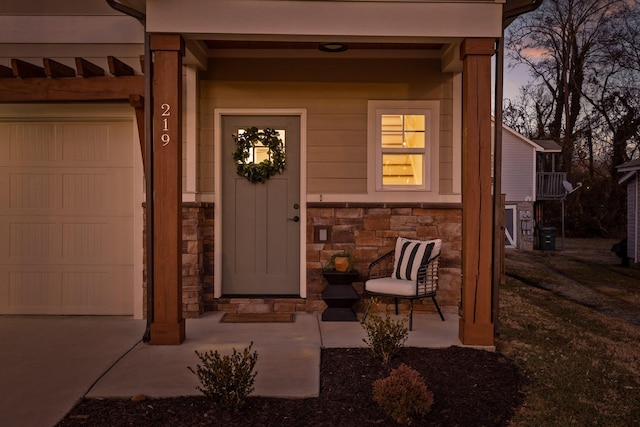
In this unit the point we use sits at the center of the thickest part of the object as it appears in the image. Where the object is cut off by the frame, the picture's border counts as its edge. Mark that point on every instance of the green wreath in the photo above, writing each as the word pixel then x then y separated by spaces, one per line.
pixel 246 143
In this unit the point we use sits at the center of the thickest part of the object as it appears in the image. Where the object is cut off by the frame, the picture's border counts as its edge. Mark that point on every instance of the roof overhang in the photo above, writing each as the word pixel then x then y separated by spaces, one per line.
pixel 325 20
pixel 548 145
pixel 535 144
pixel 626 177
pixel 373 28
pixel 632 165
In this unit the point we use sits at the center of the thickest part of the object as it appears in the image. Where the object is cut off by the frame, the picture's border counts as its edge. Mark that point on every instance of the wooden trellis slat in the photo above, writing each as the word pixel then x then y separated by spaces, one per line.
pixel 119 68
pixel 5 72
pixel 70 89
pixel 88 69
pixel 137 102
pixel 56 69
pixel 26 69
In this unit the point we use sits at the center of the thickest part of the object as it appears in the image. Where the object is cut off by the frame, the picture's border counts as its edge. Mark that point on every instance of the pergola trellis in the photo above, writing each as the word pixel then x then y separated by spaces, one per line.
pixel 25 82
pixel 88 82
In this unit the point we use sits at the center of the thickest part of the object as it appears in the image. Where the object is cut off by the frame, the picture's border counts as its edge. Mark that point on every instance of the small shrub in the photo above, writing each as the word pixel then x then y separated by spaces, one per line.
pixel 386 336
pixel 226 380
pixel 403 394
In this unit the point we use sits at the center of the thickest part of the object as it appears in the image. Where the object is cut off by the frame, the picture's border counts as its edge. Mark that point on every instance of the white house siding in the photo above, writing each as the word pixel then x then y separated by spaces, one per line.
pixel 518 173
pixel 335 93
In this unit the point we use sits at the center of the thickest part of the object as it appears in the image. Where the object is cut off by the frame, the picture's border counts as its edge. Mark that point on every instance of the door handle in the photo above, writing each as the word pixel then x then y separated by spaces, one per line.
pixel 294 219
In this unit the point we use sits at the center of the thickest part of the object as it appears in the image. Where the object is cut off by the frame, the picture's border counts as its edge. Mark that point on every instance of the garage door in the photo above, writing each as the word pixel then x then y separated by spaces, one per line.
pixel 66 217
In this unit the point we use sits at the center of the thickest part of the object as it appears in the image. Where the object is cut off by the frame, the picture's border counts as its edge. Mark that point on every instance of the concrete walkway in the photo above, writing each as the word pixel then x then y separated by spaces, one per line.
pixel 49 363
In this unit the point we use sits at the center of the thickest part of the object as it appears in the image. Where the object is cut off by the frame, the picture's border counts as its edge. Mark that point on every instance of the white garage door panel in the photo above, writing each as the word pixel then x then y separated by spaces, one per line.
pixel 69 144
pixel 58 191
pixel 65 290
pixel 66 217
pixel 67 241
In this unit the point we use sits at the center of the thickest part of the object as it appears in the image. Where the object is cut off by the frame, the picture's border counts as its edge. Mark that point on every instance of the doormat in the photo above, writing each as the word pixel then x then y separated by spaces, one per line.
pixel 258 318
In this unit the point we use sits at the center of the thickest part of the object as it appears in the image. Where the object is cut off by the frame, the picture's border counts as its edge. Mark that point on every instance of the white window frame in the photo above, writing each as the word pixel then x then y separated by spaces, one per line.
pixel 431 110
pixel 512 239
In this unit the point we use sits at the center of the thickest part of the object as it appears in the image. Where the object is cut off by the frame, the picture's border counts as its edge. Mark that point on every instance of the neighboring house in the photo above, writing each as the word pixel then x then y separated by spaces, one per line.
pixel 384 108
pixel 522 171
pixel 630 179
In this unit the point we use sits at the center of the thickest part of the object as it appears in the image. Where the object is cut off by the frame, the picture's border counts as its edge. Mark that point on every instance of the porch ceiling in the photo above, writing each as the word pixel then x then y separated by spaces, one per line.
pixel 198 50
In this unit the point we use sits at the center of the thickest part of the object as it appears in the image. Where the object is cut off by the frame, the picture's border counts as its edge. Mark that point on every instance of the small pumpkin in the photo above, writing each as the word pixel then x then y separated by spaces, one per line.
pixel 341 263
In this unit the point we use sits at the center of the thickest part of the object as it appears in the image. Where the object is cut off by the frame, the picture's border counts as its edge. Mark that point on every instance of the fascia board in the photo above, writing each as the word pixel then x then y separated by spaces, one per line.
pixel 326 18
pixel 70 29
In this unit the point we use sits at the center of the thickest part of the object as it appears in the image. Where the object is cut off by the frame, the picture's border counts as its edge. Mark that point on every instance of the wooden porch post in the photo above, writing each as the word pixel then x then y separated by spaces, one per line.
pixel 168 324
pixel 476 326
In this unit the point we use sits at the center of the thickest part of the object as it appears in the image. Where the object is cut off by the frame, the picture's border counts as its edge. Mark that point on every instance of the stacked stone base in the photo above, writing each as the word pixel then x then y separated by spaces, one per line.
pixel 260 305
pixel 366 230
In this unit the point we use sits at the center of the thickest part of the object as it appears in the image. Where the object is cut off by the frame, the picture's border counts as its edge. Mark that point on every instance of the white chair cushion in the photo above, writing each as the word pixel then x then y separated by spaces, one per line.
pixel 410 255
pixel 390 286
pixel 437 247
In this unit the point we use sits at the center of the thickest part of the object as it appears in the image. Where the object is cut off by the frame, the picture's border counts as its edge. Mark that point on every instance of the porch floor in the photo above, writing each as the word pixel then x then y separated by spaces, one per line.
pixel 104 357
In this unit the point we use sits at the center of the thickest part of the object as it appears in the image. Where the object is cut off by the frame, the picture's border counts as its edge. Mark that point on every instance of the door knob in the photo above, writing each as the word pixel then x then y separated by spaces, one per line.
pixel 294 219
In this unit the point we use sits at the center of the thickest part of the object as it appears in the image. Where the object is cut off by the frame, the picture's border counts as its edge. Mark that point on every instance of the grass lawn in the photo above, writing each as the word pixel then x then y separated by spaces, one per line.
pixel 571 320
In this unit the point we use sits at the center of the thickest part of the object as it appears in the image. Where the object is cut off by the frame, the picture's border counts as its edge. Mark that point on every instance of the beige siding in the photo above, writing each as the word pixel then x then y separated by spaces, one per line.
pixel 335 94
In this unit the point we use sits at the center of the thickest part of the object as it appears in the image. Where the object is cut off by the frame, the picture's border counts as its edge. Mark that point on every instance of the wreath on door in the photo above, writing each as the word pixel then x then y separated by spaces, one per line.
pixel 248 143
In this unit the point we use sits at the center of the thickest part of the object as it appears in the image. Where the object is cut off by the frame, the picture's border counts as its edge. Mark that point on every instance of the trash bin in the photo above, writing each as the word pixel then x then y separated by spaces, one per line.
pixel 547 238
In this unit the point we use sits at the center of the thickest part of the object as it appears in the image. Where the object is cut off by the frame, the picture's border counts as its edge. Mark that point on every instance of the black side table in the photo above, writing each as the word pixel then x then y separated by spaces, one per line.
pixel 340 296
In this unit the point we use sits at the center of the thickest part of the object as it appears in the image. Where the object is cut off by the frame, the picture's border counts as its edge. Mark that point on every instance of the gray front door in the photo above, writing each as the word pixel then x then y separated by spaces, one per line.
pixel 260 221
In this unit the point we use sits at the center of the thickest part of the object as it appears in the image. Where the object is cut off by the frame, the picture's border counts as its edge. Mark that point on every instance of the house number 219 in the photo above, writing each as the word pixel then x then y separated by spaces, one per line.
pixel 166 113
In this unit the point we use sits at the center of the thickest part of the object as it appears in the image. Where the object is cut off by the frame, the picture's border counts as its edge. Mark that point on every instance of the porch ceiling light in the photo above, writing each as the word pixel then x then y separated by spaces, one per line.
pixel 333 47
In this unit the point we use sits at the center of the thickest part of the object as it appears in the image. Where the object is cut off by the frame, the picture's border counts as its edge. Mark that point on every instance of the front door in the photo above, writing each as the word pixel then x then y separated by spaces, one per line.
pixel 260 221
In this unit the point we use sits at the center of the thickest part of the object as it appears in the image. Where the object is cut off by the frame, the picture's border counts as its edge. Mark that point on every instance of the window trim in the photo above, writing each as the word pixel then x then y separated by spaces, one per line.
pixel 431 158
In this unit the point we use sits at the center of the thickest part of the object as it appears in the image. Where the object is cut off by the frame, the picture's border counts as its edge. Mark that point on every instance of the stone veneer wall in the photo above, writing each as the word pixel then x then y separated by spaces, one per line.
pixel 367 230
pixel 370 231
pixel 197 260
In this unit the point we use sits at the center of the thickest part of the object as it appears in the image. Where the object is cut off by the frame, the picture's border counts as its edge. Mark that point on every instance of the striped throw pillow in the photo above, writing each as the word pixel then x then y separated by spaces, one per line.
pixel 409 255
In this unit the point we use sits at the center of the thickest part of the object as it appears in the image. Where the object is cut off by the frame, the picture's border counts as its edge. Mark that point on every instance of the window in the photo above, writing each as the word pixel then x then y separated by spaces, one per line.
pixel 258 151
pixel 403 139
pixel 402 144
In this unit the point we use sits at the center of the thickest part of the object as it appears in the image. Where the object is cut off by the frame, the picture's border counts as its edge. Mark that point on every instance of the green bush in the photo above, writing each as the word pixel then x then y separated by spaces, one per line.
pixel 403 394
pixel 226 380
pixel 386 336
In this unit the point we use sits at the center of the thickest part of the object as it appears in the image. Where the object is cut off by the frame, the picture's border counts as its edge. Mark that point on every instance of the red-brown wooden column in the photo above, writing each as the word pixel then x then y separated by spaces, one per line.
pixel 476 327
pixel 168 325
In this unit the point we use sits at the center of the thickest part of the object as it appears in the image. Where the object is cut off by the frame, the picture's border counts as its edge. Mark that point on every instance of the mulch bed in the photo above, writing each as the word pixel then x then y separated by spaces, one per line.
pixel 471 388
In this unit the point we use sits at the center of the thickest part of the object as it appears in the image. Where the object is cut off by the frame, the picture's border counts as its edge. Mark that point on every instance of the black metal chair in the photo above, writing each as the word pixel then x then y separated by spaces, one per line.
pixel 380 282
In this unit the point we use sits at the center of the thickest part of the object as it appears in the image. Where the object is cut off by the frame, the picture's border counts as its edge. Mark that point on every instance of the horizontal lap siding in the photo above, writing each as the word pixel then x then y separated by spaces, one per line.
pixel 517 168
pixel 335 94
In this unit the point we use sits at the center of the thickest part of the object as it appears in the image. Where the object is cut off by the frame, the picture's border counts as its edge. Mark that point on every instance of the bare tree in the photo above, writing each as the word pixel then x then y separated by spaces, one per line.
pixel 584 60
pixel 556 43
pixel 613 87
pixel 529 113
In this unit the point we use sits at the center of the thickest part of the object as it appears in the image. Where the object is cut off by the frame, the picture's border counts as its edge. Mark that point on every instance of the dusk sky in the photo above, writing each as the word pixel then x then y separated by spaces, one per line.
pixel 514 78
